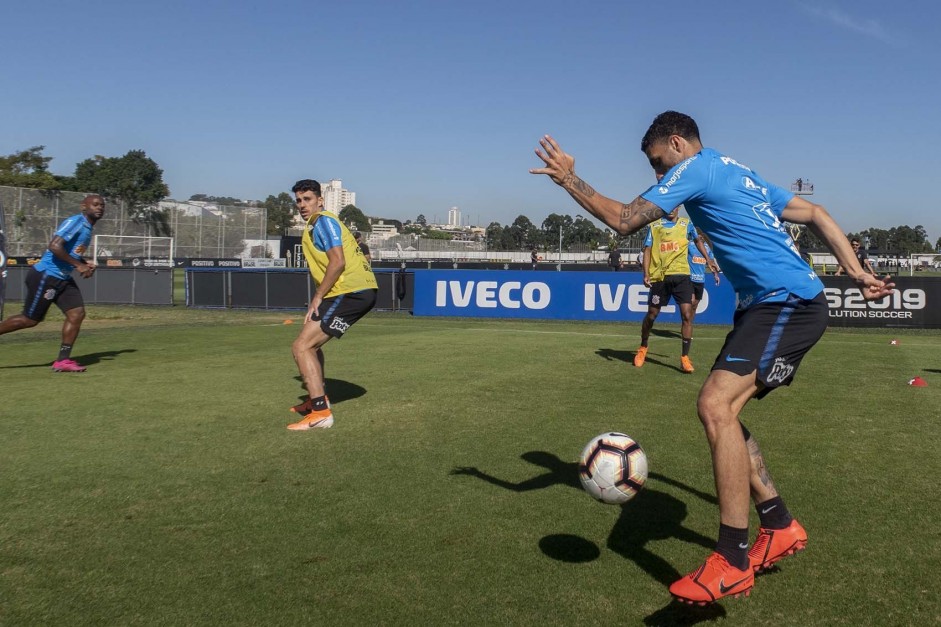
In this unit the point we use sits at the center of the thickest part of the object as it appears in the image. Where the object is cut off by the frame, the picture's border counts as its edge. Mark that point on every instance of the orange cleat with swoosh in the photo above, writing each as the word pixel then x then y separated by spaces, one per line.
pixel 715 579
pixel 772 545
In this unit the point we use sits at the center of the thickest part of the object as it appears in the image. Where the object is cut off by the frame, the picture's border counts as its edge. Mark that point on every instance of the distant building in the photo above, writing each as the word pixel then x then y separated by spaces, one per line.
pixel 335 197
pixel 381 231
pixel 454 217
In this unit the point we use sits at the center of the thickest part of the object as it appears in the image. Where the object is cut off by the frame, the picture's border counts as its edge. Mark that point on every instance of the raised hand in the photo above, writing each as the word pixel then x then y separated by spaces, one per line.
pixel 560 166
pixel 874 288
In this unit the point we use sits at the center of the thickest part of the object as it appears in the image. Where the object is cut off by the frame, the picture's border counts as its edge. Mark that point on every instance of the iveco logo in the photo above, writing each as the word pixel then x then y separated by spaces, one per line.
pixel 490 294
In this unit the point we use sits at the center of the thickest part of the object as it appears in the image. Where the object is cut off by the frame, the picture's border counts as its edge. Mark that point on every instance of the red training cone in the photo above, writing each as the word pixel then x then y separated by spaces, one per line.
pixel 918 382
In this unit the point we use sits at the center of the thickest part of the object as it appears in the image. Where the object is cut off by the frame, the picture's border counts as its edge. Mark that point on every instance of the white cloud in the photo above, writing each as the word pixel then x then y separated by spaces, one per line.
pixel 863 26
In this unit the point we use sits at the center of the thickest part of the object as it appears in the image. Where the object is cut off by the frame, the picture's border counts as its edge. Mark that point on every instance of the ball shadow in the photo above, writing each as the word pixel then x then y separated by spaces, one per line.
pixel 569 548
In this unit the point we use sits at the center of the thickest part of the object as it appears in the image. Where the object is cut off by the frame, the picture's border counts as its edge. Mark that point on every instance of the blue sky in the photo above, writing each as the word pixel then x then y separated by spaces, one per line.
pixel 422 105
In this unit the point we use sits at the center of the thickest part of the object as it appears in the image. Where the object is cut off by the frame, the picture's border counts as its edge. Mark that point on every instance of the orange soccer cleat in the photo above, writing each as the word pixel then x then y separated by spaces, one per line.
pixel 772 545
pixel 686 365
pixel 715 579
pixel 316 419
pixel 640 356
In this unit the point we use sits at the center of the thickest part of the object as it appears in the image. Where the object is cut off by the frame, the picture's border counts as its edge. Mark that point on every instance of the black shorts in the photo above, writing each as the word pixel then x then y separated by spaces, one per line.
pixel 676 285
pixel 698 289
pixel 337 314
pixel 772 339
pixel 42 290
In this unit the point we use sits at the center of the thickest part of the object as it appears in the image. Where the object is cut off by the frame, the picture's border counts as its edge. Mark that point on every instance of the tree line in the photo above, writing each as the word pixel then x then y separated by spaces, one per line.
pixel 134 178
pixel 900 240
pixel 137 180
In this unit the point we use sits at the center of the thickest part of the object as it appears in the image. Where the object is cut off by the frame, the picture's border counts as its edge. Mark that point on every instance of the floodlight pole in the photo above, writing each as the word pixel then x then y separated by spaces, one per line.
pixel 560 247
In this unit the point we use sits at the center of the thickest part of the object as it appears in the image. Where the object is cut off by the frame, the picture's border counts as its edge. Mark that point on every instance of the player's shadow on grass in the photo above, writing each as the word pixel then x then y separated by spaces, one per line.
pixel 89 359
pixel 338 390
pixel 615 355
pixel 628 357
pixel 676 613
pixel 652 515
pixel 666 333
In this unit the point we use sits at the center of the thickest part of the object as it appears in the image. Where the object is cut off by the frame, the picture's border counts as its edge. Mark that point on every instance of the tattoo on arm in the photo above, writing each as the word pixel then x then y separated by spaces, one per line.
pixel 578 185
pixel 637 214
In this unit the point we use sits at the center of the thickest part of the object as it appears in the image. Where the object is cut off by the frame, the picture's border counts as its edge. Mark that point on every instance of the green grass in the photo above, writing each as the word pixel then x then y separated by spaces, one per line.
pixel 161 487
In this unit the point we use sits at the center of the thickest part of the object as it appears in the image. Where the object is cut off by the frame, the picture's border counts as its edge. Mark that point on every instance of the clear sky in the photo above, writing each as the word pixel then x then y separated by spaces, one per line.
pixel 420 105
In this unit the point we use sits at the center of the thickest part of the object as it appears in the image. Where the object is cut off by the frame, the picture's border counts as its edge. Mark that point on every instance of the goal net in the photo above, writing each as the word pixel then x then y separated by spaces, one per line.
pixel 132 247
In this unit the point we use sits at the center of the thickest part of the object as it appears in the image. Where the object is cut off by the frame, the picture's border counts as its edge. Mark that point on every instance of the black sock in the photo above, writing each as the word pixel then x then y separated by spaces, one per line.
pixel 686 344
pixel 319 403
pixel 64 351
pixel 643 342
pixel 773 514
pixel 733 545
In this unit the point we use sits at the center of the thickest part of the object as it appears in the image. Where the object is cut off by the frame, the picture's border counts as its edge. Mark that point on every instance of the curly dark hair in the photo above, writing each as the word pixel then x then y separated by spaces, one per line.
pixel 670 123
pixel 307 185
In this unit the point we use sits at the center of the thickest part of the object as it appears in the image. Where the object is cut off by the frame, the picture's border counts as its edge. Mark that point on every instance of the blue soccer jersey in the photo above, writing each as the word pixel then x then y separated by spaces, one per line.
pixel 740 213
pixel 75 232
pixel 697 263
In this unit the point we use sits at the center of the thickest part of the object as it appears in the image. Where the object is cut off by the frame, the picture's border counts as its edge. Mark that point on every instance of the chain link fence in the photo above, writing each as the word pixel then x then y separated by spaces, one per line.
pixel 199 229
pixel 410 247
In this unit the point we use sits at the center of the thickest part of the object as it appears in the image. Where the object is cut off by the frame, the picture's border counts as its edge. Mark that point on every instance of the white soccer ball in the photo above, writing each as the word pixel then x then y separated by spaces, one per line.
pixel 613 468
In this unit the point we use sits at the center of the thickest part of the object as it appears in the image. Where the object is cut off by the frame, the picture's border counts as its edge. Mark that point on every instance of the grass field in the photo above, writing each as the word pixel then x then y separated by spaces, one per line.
pixel 161 487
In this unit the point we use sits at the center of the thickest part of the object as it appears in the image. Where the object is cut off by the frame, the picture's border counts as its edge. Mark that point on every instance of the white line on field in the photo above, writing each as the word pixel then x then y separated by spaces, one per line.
pixel 861 338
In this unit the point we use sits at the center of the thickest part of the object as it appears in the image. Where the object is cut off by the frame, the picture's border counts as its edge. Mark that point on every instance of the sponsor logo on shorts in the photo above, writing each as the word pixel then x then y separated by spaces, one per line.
pixel 337 324
pixel 655 299
pixel 744 301
pixel 49 294
pixel 780 371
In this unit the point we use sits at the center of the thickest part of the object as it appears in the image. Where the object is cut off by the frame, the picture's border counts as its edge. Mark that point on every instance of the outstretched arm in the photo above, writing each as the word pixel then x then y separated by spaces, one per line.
pixel 823 226
pixel 623 218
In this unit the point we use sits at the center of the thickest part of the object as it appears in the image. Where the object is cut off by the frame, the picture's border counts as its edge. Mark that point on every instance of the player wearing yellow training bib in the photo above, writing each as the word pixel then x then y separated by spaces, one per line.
pixel 666 273
pixel 323 232
pixel 669 244
pixel 346 291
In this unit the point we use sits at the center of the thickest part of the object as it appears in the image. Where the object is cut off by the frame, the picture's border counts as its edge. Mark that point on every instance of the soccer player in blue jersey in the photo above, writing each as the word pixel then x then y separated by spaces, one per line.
pixel 50 281
pixel 781 313
pixel 346 291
